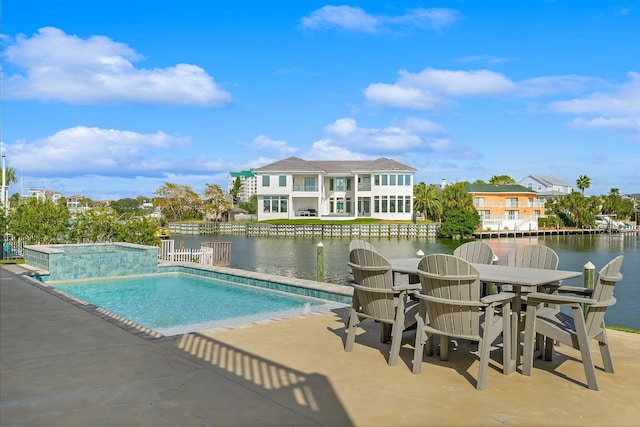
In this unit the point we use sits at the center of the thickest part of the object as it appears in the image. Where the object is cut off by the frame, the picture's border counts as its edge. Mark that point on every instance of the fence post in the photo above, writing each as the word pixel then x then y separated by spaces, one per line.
pixel 320 261
pixel 589 277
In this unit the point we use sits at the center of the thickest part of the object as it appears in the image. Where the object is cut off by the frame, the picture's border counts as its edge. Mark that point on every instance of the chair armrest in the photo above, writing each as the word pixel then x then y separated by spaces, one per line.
pixel 409 287
pixel 575 290
pixel 537 297
pixel 370 267
pixel 373 290
pixel 499 297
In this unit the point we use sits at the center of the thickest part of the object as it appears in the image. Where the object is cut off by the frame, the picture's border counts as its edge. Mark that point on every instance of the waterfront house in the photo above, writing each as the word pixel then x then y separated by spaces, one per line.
pixel 335 189
pixel 546 186
pixel 506 207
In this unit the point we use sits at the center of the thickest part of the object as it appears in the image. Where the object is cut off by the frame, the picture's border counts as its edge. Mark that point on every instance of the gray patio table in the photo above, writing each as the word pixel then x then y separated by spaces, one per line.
pixel 501 274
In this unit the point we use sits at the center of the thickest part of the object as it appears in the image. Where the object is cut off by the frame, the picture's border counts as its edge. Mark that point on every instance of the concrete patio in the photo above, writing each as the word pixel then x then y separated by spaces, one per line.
pixel 65 364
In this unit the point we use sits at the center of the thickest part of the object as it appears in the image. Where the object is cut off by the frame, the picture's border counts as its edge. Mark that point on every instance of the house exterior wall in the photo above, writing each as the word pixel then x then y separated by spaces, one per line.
pixel 511 207
pixel 335 194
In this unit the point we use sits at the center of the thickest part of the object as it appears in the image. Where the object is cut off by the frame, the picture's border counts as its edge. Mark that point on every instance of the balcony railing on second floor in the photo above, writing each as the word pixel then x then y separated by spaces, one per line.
pixel 364 187
pixel 305 187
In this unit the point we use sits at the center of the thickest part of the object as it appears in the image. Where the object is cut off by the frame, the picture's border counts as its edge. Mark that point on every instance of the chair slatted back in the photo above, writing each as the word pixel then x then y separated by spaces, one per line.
pixel 533 256
pixel 361 244
pixel 475 252
pixel 371 272
pixel 451 288
pixel 608 276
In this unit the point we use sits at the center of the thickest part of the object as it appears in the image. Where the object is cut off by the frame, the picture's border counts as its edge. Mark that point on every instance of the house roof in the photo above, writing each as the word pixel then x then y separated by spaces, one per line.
pixel 549 180
pixel 493 188
pixel 295 164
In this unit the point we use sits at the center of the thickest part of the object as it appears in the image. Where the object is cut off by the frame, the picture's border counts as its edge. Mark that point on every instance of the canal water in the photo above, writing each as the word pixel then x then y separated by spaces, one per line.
pixel 297 257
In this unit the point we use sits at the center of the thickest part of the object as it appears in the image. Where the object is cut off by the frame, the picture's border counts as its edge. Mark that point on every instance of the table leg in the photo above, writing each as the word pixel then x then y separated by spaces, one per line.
pixel 515 327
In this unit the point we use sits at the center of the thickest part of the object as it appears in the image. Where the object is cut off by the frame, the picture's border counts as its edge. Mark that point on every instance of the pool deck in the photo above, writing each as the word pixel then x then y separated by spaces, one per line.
pixel 62 364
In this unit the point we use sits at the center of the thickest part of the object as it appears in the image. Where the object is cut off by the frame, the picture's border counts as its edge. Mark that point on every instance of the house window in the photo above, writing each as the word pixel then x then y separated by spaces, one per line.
pixel 407 204
pixel 348 181
pixel 384 179
pixel 340 184
pixel 330 184
pixel 400 179
pixel 376 204
pixel 530 201
pixel 309 184
pixel 536 214
pixel 539 187
pixel 376 179
pixel 484 214
pixel 478 201
pixel 265 180
pixel 385 203
pixel 348 205
pixel 392 203
pixel 392 180
pixel 512 214
pixel 331 205
pixel 400 204
pixel 282 180
pixel 512 202
pixel 530 186
pixel 275 204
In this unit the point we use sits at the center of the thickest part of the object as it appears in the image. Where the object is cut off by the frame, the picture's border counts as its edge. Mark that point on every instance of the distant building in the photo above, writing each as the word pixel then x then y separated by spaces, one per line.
pixel 248 181
pixel 74 202
pixel 506 207
pixel 335 189
pixel 546 186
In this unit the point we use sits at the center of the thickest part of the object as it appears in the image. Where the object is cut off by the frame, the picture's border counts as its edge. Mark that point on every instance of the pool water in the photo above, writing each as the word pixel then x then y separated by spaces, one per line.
pixel 178 303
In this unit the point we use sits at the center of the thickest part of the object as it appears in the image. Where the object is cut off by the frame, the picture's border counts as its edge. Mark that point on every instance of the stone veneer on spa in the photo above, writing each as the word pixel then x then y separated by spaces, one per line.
pixel 86 261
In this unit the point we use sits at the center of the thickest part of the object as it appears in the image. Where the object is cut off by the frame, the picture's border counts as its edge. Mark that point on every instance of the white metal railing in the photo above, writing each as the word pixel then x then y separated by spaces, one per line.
pixel 508 205
pixel 305 187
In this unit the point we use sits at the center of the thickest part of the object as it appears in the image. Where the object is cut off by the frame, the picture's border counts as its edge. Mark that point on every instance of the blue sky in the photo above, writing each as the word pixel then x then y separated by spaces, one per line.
pixel 113 98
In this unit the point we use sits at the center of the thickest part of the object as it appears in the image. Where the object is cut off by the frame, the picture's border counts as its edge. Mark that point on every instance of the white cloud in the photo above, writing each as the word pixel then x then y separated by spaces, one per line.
pixel 56 66
pixel 357 20
pixel 617 110
pixel 263 142
pixel 85 150
pixel 432 88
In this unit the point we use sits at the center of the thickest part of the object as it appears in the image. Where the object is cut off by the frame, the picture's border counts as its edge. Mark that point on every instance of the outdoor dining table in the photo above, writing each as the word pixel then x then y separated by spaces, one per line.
pixel 502 275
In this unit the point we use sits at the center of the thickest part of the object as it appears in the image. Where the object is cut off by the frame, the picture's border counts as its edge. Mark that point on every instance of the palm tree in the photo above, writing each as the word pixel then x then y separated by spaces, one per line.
pixel 501 180
pixel 583 182
pixel 427 200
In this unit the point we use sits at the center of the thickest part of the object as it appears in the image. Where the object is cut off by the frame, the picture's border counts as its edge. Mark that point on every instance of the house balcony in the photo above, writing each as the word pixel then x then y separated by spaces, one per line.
pixel 306 188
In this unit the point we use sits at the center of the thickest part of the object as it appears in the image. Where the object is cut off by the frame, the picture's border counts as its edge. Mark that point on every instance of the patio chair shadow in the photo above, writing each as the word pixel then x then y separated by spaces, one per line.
pixel 310 395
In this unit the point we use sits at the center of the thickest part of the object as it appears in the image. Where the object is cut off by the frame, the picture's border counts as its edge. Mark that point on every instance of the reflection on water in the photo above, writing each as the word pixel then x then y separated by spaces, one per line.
pixel 297 257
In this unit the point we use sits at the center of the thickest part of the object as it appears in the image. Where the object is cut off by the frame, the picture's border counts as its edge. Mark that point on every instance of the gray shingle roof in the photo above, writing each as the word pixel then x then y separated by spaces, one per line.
pixel 295 164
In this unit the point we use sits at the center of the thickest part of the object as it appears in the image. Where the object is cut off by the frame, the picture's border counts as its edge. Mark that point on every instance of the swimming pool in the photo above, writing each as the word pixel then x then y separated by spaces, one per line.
pixel 175 303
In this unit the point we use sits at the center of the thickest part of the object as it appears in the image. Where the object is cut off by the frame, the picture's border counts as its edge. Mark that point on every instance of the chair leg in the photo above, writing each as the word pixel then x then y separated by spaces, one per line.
pixel 605 352
pixel 484 363
pixel 548 348
pixel 444 347
pixel 418 351
pixel 351 330
pixel 396 341
pixel 583 344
